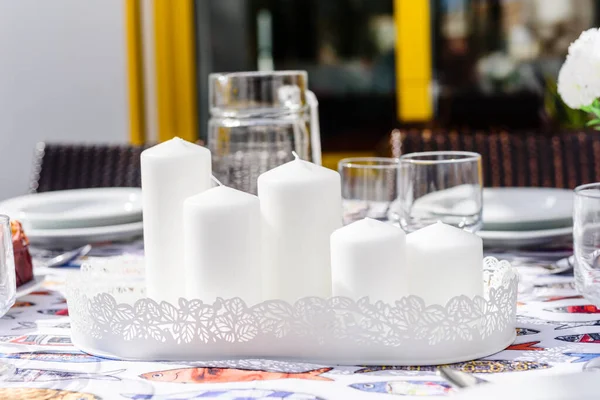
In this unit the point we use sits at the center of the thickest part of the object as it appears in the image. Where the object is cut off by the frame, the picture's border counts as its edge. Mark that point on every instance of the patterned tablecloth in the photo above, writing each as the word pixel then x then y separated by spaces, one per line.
pixel 558 331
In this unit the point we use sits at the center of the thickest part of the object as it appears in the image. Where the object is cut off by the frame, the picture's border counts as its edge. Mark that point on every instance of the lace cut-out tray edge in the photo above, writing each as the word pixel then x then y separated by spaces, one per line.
pixel 335 330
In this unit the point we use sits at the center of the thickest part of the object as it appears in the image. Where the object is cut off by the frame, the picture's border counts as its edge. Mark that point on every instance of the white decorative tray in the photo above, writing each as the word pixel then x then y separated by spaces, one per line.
pixel 110 317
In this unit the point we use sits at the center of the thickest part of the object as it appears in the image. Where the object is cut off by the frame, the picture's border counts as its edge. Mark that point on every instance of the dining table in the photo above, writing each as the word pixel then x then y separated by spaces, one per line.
pixel 558 331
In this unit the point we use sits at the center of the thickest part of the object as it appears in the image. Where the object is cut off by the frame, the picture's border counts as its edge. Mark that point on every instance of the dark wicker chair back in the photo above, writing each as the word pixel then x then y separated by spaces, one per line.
pixel 563 160
pixel 61 167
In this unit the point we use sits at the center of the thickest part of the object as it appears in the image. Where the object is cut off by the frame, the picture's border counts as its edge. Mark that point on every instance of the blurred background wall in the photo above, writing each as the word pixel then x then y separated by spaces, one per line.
pixel 136 70
pixel 63 77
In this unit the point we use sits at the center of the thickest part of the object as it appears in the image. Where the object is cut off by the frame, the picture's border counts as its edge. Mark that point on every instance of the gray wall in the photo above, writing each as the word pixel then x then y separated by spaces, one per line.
pixel 62 78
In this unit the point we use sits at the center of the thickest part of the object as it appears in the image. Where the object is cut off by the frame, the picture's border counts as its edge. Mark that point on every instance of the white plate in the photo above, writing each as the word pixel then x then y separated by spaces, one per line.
pixel 579 386
pixel 514 208
pixel 31 286
pixel 80 208
pixel 510 208
pixel 80 236
pixel 524 238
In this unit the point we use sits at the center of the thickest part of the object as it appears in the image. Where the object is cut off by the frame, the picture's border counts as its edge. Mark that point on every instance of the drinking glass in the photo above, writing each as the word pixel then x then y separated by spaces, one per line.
pixel 586 240
pixel 8 283
pixel 441 186
pixel 369 188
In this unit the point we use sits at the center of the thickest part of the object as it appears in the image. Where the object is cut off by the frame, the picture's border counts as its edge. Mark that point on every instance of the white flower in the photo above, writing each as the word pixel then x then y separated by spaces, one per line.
pixel 579 77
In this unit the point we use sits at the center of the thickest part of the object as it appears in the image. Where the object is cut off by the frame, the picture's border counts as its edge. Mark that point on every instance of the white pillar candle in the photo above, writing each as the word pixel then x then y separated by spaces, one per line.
pixel 368 258
pixel 443 262
pixel 171 172
pixel 301 206
pixel 222 245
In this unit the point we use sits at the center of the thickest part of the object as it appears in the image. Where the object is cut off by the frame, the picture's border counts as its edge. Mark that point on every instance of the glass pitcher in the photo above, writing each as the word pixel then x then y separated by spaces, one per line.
pixel 257 120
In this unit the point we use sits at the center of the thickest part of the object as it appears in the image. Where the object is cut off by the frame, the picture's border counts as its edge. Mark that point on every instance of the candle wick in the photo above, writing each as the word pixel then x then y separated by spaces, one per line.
pixel 296 156
pixel 218 182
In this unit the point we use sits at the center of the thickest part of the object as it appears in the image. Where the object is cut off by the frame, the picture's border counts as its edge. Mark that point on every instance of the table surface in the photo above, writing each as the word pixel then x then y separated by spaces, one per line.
pixel 558 331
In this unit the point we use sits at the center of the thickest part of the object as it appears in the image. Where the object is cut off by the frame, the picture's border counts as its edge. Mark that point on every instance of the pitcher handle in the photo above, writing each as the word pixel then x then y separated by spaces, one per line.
pixel 315 131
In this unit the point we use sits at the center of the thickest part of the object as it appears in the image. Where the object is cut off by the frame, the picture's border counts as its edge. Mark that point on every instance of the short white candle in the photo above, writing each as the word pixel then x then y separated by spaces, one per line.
pixel 301 206
pixel 171 172
pixel 443 262
pixel 222 245
pixel 368 258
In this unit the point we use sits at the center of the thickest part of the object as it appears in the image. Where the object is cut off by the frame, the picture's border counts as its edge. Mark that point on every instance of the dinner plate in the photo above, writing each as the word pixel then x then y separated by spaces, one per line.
pixel 79 236
pixel 79 208
pixel 572 386
pixel 515 208
pixel 510 208
pixel 514 239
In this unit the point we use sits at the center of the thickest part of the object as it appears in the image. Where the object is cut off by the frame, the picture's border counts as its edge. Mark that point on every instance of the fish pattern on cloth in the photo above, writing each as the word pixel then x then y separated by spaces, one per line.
pixel 557 330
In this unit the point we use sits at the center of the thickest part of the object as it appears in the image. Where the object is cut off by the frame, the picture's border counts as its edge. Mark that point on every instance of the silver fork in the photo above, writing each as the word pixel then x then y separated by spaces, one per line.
pixel 459 379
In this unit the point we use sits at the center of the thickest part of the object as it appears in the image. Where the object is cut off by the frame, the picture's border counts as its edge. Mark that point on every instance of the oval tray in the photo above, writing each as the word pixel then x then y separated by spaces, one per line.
pixel 118 321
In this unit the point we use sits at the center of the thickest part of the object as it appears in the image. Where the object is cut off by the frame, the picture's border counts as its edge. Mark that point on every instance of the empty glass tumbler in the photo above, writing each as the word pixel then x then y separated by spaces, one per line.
pixel 441 186
pixel 369 188
pixel 257 120
pixel 586 241
pixel 8 283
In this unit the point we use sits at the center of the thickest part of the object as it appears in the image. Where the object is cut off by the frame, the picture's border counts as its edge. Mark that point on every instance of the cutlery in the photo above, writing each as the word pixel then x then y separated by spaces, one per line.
pixel 562 266
pixel 554 267
pixel 459 379
pixel 68 256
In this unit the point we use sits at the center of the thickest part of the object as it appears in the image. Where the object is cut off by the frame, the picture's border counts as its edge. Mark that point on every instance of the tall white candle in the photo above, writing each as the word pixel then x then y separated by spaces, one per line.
pixel 171 172
pixel 443 262
pixel 301 206
pixel 222 245
pixel 368 258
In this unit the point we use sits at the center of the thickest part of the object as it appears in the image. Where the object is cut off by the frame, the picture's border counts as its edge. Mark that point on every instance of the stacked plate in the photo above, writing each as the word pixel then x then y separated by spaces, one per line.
pixel 519 217
pixel 72 217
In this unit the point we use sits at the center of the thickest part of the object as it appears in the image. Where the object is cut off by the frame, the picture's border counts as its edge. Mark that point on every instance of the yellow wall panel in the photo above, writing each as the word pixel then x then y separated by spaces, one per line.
pixel 413 60
pixel 137 125
pixel 186 112
pixel 175 69
pixel 165 73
